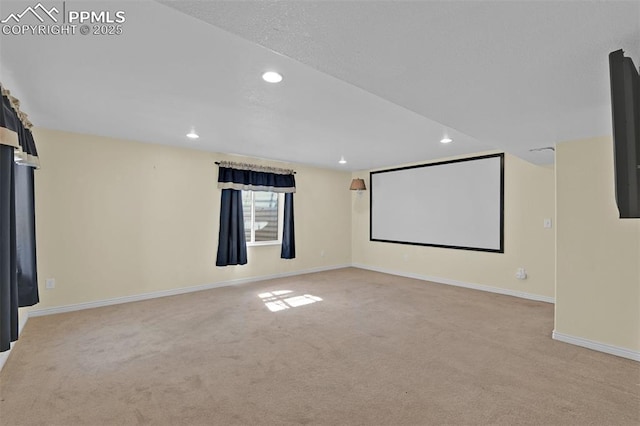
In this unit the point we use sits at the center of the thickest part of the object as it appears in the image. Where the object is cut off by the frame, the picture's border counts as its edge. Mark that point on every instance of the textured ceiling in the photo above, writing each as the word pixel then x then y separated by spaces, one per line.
pixel 518 75
pixel 377 82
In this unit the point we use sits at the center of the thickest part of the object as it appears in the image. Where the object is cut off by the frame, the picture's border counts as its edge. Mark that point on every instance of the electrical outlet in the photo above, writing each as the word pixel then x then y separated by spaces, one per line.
pixel 547 223
pixel 50 283
pixel 321 253
pixel 521 274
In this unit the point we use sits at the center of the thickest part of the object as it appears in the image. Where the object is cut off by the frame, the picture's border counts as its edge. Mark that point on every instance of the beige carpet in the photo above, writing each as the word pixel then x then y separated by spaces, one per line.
pixel 376 350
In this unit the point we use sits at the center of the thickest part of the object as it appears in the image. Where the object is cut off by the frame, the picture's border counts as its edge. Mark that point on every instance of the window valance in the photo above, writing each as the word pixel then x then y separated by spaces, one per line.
pixel 15 130
pixel 248 177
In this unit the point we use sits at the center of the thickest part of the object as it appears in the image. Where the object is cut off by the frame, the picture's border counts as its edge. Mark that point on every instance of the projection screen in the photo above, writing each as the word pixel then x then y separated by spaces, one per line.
pixel 455 204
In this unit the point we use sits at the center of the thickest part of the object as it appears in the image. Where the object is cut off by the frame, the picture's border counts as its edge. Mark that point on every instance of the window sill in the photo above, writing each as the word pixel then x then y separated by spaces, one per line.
pixel 264 243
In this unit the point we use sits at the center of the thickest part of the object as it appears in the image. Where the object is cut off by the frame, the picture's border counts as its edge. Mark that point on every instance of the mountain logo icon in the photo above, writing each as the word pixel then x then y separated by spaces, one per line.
pixel 39 11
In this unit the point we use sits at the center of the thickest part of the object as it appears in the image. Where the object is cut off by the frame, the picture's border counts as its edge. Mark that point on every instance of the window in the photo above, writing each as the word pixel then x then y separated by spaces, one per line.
pixel 263 213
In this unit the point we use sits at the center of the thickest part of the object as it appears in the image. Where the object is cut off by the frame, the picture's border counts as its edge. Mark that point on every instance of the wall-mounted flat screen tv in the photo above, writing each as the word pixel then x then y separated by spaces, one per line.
pixel 625 108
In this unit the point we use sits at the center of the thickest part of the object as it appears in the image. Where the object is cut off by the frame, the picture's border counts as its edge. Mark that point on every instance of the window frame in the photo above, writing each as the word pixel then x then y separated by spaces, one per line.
pixel 278 241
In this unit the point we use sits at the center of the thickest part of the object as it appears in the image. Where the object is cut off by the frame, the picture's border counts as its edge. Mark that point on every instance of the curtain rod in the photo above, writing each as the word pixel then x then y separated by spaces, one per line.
pixel 263 167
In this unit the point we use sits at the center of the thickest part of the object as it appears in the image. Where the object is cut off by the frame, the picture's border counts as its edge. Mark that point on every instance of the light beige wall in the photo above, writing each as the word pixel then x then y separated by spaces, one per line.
pixel 119 218
pixel 529 199
pixel 598 254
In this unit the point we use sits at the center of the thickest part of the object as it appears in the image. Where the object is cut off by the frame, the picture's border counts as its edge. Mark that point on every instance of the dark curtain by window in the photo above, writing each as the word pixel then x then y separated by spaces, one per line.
pixel 26 236
pixel 237 177
pixel 8 276
pixel 18 280
pixel 232 245
pixel 288 250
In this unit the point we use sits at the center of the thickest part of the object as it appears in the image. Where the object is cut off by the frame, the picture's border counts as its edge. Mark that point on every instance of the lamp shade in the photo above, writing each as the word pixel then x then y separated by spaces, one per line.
pixel 357 185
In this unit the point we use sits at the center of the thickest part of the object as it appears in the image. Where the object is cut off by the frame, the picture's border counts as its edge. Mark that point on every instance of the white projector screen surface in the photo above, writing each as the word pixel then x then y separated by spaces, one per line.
pixel 455 204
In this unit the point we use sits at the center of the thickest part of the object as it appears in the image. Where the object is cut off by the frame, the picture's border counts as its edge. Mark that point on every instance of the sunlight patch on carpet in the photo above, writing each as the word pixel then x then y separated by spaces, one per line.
pixel 280 300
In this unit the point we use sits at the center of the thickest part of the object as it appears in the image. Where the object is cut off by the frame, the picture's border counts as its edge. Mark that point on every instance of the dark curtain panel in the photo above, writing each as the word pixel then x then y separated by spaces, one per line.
pixel 8 276
pixel 26 236
pixel 18 281
pixel 232 245
pixel 288 231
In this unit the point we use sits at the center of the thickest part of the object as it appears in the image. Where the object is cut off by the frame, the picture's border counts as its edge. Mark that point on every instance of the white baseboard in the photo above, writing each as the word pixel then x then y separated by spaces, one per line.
pixel 22 322
pixel 456 283
pixel 173 292
pixel 596 346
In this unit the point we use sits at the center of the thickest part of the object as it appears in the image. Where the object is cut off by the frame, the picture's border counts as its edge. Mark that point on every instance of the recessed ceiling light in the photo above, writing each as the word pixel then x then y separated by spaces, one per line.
pixel 342 160
pixel 272 77
pixel 446 139
pixel 192 135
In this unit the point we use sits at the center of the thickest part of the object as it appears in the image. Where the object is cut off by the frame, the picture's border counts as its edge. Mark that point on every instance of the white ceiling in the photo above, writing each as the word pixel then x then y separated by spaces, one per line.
pixel 377 82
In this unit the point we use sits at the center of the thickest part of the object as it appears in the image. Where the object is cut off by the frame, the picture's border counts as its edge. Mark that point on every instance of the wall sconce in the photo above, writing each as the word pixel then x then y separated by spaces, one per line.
pixel 358 185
